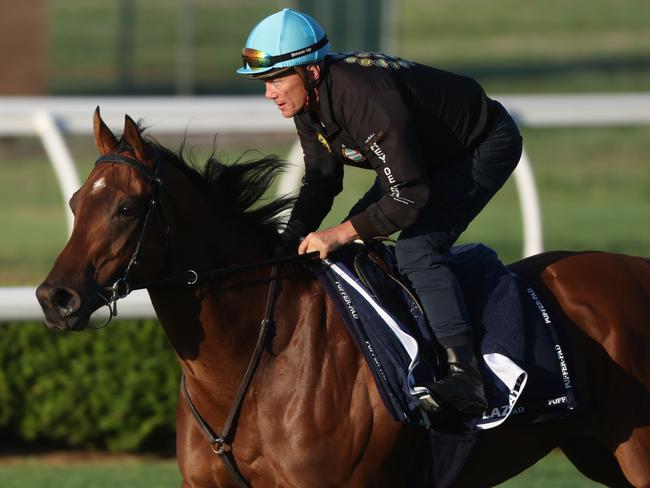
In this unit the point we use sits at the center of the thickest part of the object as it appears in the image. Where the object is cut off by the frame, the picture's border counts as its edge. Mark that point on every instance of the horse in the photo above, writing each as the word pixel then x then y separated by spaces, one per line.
pixel 274 391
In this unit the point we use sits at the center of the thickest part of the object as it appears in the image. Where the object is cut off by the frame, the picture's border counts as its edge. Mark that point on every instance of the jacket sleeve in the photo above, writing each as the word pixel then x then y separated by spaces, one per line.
pixel 381 122
pixel 371 196
pixel 323 178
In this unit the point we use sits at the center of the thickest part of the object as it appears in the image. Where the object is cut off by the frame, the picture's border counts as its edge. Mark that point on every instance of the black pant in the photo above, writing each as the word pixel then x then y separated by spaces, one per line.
pixel 459 191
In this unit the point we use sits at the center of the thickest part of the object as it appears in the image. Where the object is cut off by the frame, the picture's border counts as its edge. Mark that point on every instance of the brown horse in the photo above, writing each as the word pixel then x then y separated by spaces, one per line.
pixel 311 415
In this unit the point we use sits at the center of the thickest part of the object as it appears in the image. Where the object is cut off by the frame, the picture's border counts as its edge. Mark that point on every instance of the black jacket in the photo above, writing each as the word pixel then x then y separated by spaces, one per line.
pixel 401 119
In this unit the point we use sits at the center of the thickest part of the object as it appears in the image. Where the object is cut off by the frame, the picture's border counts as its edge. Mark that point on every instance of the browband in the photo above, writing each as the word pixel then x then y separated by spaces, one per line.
pixel 134 163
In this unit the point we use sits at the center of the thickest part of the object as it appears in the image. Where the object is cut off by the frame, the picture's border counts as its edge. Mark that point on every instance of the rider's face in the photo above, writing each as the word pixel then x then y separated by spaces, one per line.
pixel 288 92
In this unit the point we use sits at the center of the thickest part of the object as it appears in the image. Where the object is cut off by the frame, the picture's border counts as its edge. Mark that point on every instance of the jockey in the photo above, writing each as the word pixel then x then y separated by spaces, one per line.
pixel 440 149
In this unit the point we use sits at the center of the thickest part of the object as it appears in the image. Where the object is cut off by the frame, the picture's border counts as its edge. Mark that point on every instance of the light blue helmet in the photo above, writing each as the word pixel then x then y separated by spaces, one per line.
pixel 285 39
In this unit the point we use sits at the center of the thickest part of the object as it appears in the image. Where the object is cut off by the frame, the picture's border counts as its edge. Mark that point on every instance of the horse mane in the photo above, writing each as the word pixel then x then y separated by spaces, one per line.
pixel 234 191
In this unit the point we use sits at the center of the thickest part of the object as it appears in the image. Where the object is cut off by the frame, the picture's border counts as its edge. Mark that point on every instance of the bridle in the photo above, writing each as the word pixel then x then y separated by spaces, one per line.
pixel 221 444
pixel 123 287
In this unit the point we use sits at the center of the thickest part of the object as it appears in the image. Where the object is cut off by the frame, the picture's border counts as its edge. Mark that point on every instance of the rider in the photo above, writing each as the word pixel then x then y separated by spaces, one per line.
pixel 440 149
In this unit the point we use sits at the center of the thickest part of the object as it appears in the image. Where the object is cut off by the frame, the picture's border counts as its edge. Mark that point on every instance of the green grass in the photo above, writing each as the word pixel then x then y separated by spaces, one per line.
pixel 34 472
pixel 552 471
pixel 33 215
pixel 582 45
pixel 32 220
pixel 548 46
pixel 594 187
pixel 86 54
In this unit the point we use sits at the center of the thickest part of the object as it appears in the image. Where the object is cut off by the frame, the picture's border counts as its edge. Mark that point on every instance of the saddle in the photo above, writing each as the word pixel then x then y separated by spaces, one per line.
pixel 376 267
pixel 516 333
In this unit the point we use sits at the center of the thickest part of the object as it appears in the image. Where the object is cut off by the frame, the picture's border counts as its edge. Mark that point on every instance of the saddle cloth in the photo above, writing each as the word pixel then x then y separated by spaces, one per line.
pixel 519 346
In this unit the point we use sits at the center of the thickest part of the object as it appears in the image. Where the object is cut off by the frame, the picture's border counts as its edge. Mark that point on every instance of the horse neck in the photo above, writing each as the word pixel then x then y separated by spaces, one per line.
pixel 202 241
pixel 212 326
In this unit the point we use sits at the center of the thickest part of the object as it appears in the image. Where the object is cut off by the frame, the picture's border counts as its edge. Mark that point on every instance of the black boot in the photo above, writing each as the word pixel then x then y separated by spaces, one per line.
pixel 462 388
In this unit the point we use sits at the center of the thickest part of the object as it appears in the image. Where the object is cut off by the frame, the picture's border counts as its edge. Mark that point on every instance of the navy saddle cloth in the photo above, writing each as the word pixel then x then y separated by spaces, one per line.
pixel 523 363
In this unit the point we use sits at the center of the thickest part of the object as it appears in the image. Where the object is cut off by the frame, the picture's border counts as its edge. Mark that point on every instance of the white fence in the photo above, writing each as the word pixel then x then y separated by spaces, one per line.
pixel 50 118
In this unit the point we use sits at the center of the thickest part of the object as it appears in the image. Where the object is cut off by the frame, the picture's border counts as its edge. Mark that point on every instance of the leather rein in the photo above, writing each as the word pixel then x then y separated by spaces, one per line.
pixel 221 444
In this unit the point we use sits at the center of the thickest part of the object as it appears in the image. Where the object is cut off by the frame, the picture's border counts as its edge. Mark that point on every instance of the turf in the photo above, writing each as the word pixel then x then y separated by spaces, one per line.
pixel 594 188
pixel 37 472
pixel 32 472
pixel 554 45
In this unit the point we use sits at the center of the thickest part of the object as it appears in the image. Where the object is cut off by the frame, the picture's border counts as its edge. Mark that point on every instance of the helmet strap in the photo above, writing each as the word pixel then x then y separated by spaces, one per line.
pixel 310 86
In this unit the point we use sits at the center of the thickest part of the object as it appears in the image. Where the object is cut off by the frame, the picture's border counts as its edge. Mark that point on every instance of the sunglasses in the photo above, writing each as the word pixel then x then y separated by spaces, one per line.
pixel 255 58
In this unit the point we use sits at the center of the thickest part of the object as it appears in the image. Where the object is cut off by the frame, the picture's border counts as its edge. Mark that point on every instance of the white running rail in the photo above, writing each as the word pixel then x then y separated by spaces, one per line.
pixel 51 117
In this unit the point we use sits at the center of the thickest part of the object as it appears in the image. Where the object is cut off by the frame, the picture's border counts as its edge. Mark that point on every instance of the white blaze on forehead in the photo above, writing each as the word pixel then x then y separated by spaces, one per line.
pixel 99 184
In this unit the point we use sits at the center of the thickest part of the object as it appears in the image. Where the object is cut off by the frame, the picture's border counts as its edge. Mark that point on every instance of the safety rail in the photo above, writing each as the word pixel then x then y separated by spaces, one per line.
pixel 51 117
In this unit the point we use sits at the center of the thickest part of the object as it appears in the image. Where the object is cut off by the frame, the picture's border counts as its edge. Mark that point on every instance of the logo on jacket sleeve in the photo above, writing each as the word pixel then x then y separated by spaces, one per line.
pixel 352 154
pixel 323 141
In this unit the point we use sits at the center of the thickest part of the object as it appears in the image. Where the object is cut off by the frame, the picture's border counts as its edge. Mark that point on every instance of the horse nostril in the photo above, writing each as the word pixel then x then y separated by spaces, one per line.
pixel 66 300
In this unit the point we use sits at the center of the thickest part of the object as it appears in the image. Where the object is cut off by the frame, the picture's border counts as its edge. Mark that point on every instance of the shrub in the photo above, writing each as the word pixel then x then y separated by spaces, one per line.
pixel 114 388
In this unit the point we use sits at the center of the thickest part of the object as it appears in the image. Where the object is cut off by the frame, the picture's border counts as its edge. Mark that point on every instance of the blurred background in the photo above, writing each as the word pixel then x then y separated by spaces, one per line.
pixel 75 407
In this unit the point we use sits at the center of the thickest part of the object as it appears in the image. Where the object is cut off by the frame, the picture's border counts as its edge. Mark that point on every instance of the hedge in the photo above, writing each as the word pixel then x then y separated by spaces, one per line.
pixel 114 388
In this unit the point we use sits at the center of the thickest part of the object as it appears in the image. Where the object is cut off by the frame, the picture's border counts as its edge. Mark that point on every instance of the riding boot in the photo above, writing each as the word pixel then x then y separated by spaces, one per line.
pixel 462 388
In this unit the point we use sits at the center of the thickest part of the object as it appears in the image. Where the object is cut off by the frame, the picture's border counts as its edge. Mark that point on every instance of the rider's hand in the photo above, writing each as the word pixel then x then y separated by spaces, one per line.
pixel 328 240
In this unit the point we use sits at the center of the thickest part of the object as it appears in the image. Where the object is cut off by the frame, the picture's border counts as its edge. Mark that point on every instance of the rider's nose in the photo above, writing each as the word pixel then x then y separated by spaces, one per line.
pixel 270 93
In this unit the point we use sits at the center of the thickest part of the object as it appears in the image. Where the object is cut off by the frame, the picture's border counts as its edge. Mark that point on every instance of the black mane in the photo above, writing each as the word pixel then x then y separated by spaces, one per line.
pixel 232 190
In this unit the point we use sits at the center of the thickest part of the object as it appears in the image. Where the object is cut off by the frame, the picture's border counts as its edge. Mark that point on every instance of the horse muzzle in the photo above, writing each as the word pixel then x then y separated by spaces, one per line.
pixel 63 307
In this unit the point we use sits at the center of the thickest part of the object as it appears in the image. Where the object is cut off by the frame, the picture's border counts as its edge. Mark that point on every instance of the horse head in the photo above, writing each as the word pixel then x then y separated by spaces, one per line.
pixel 110 211
pixel 144 213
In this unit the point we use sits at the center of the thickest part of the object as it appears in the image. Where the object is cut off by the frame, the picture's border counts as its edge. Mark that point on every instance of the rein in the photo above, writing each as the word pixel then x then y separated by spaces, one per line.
pixel 121 288
pixel 221 444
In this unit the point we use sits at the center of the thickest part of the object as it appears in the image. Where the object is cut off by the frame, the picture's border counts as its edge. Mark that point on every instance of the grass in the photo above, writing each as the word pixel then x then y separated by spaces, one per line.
pixel 33 220
pixel 594 187
pixel 583 45
pixel 39 472
pixel 87 55
pixel 548 46
pixel 32 472
pixel 554 470
pixel 593 182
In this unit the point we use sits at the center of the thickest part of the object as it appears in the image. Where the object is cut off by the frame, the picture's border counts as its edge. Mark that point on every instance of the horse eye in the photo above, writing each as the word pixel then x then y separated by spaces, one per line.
pixel 127 211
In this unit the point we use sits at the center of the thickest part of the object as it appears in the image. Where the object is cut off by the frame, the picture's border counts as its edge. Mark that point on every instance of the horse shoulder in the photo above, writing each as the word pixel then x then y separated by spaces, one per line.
pixel 320 407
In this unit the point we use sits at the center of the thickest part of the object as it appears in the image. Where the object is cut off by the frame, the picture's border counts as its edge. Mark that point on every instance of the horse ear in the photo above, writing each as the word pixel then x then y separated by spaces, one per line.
pixel 105 141
pixel 134 138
